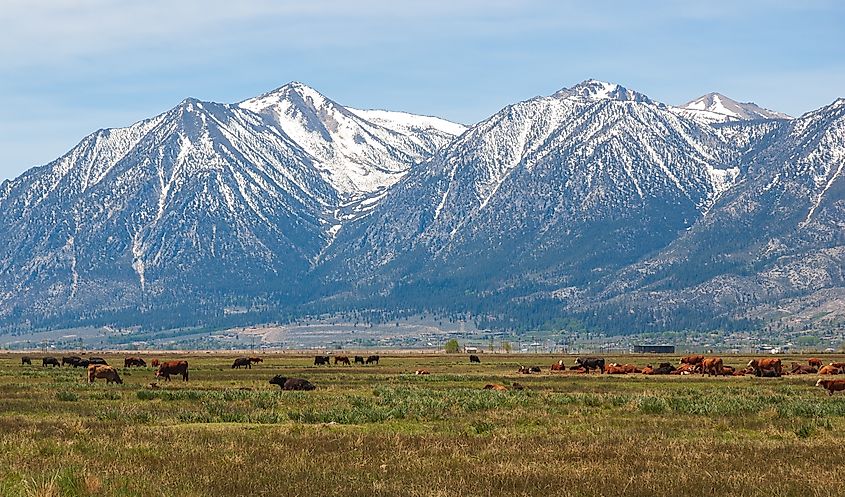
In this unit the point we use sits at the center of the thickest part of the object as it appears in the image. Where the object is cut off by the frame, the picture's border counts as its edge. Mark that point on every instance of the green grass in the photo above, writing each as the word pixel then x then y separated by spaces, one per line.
pixel 380 430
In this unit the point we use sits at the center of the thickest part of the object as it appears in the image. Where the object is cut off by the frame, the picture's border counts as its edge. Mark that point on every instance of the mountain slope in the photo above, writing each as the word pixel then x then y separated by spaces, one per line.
pixel 716 108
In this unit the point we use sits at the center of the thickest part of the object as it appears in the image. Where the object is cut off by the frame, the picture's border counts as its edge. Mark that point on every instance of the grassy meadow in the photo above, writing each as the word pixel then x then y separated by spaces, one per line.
pixel 383 431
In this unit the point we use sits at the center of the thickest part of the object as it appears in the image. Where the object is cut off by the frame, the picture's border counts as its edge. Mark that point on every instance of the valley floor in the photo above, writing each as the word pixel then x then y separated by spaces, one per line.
pixel 383 431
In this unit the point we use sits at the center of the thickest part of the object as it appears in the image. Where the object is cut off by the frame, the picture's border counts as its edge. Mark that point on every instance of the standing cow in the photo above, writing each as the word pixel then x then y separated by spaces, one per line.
pixel 50 361
pixel 341 359
pixel 26 360
pixel 100 371
pixel 359 359
pixel 590 363
pixel 761 366
pixel 321 359
pixel 711 366
pixel 373 359
pixel 134 361
pixel 166 369
pixel 474 359
pixel 242 362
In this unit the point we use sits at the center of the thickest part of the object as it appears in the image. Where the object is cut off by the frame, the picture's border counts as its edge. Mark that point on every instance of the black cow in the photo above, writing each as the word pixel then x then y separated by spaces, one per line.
pixel 26 360
pixel 372 359
pixel 291 383
pixel 97 360
pixel 590 363
pixel 359 359
pixel 72 360
pixel 665 368
pixel 321 359
pixel 767 373
pixel 474 358
pixel 82 363
pixel 50 361
pixel 242 362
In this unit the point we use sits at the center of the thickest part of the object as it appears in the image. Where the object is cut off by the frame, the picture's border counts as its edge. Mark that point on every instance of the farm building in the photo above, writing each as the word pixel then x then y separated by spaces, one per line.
pixel 654 349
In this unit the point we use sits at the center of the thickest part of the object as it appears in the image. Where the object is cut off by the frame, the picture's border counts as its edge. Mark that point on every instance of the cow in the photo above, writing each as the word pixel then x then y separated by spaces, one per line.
pixel 155 363
pixel 255 360
pixel 767 373
pixel 648 369
pixel 772 363
pixel 495 386
pixel 341 359
pixel 517 386
pixel 474 359
pixel 614 369
pixel 373 359
pixel 711 366
pixel 815 362
pixel 838 365
pixel 97 360
pixel 50 361
pixel 84 363
pixel 72 360
pixel 101 371
pixel 629 368
pixel 798 368
pixel 291 383
pixel 134 361
pixel 590 363
pixel 578 369
pixel 359 359
pixel 692 359
pixel 165 369
pixel 242 362
pixel 831 385
pixel 321 359
pixel 728 370
pixel 664 368
pixel 422 371
pixel 829 369
pixel 26 360
pixel 557 367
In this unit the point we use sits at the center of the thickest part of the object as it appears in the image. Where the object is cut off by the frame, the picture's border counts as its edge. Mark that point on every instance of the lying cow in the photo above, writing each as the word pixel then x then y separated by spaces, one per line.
pixel 798 368
pixel 829 369
pixel 557 367
pixel 242 362
pixel 422 371
pixel 664 368
pixel 614 369
pixel 815 362
pixel 495 386
pixel 831 385
pixel 590 363
pixel 134 361
pixel 100 371
pixel 291 383
pixel 166 369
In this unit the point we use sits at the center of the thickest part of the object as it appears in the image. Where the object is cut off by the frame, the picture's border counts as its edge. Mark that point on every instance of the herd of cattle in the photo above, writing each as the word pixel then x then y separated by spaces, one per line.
pixel 769 367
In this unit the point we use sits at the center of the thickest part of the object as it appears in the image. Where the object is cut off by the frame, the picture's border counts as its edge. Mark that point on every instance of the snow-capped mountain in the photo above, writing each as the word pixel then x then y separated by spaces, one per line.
pixel 717 108
pixel 203 199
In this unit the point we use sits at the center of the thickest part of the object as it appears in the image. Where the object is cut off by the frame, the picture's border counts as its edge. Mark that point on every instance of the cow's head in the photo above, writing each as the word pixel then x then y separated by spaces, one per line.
pixel 753 363
pixel 278 380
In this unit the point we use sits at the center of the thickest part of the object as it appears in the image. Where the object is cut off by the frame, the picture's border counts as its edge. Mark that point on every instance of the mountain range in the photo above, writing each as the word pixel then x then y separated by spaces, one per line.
pixel 595 207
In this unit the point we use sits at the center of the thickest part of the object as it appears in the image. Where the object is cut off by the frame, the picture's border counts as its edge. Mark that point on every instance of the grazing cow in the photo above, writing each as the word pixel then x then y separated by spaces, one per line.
pixel 321 359
pixel 291 383
pixel 342 359
pixel 101 371
pixel 772 363
pixel 831 385
pixel 815 362
pixel 474 358
pixel 255 360
pixel 359 359
pixel 422 371
pixel 373 359
pixel 98 360
pixel 72 360
pixel 692 359
pixel 711 366
pixel 242 362
pixel 155 363
pixel 590 363
pixel 84 363
pixel 829 369
pixel 165 369
pixel 134 361
pixel 50 361
pixel 26 360
pixel 495 386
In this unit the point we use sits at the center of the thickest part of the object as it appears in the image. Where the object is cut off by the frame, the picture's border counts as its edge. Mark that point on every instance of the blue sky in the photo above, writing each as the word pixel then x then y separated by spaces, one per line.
pixel 69 67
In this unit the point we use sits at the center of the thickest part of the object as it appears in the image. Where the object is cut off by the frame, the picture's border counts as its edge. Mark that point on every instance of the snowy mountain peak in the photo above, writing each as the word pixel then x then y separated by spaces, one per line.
pixel 727 109
pixel 593 89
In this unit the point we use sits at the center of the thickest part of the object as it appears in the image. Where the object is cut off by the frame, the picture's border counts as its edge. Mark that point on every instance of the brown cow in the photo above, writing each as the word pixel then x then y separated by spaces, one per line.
pixel 166 369
pixel 496 387
pixel 829 369
pixel 728 370
pixel 100 371
pixel 772 363
pixel 291 383
pixel 557 367
pixel 798 368
pixel 255 360
pixel 831 385
pixel 711 366
pixel 648 369
pixel 838 365
pixel 614 369
pixel 155 363
pixel 422 371
pixel 692 359
pixel 342 359
pixel 815 362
